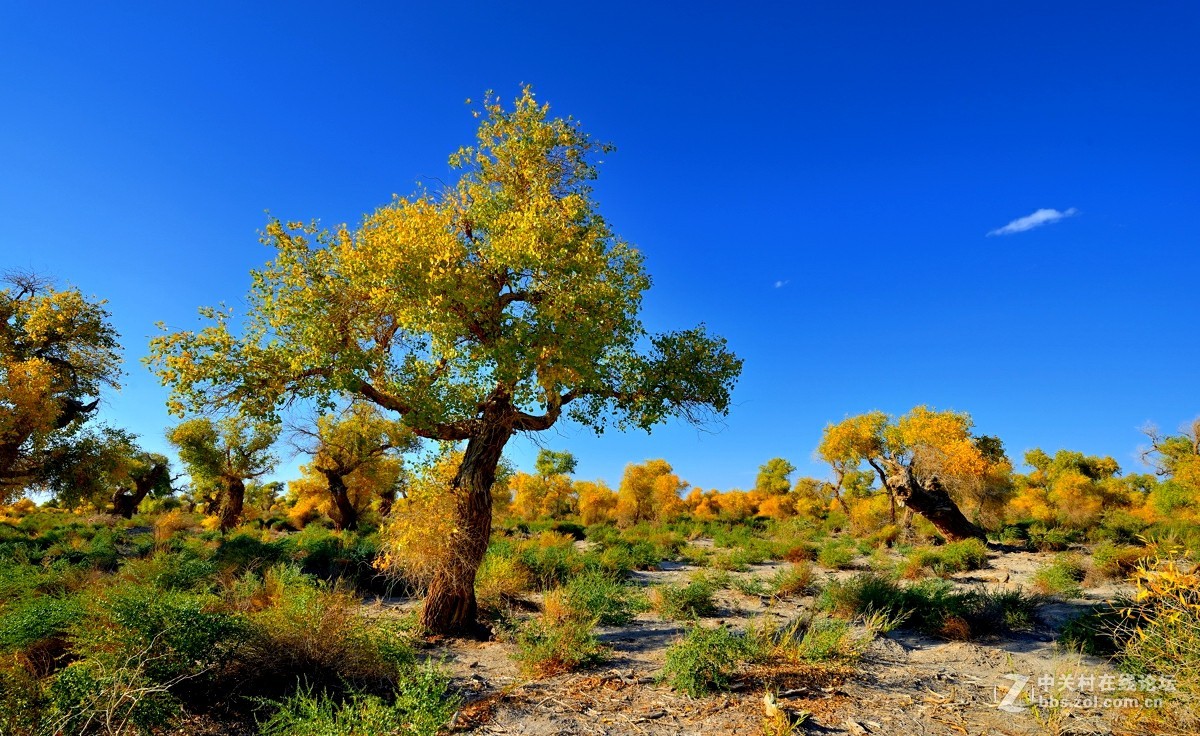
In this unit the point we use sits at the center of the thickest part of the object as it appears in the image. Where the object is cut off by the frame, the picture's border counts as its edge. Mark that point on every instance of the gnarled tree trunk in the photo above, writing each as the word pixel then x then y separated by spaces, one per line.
pixel 232 500
pixel 931 500
pixel 450 603
pixel 345 516
pixel 125 502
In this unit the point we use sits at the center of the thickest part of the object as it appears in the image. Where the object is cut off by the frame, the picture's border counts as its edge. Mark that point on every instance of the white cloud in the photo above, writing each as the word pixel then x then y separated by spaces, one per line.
pixel 1037 219
pixel 781 284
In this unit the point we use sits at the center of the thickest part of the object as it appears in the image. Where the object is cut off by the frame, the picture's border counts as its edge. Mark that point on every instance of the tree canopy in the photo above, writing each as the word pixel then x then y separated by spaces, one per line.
pixel 508 288
pixel 496 305
pixel 222 455
pixel 58 350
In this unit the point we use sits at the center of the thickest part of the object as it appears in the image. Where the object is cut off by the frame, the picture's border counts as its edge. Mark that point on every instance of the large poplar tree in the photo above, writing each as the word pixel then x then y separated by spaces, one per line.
pixel 501 304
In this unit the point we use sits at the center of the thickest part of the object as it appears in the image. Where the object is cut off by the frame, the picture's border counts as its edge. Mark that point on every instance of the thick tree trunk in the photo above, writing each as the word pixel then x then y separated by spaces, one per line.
pixel 450 603
pixel 931 501
pixel 387 499
pixel 125 502
pixel 232 500
pixel 345 516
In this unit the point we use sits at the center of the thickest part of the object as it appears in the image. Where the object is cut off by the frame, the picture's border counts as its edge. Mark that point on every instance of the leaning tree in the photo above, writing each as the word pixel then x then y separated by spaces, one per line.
pixel 926 460
pixel 498 305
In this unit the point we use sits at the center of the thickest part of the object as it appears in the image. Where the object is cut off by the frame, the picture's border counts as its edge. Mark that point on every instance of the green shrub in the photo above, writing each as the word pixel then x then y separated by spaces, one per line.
pixel 812 639
pixel 694 600
pixel 501 579
pixel 968 554
pixel 1051 539
pixel 932 606
pixel 554 644
pixel 1062 577
pixel 795 579
pixel 305 630
pixel 36 619
pixel 1114 561
pixel 422 704
pixel 22 697
pixel 1095 631
pixel 605 598
pixel 836 555
pixel 551 558
pixel 704 660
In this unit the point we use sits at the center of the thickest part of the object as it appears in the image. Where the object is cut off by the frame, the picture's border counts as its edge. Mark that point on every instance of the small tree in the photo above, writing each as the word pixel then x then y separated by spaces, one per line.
pixel 774 477
pixel 221 456
pixel 649 492
pixel 101 466
pixel 497 306
pixel 920 458
pixel 57 351
pixel 354 450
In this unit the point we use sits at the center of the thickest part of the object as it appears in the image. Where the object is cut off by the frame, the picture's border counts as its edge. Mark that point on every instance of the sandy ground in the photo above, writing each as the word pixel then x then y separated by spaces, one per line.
pixel 905 684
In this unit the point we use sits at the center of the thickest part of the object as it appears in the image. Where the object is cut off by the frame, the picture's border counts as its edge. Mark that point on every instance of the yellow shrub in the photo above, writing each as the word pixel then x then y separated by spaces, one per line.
pixel 869 514
pixel 417 539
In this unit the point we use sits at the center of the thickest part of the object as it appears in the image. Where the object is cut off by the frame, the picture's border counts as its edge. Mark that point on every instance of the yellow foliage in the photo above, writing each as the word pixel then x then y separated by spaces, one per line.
pixel 597 502
pixel 649 492
pixel 869 514
pixel 539 497
pixel 777 507
pixel 420 534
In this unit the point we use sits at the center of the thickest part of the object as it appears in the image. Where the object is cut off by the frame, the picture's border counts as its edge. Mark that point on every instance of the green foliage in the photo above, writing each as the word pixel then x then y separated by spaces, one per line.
pixel 794 580
pixel 775 476
pixel 605 598
pixel 694 600
pixel 704 660
pixel 302 629
pixel 811 639
pixel 422 704
pixel 1051 539
pixel 837 554
pixel 558 643
pixel 931 606
pixel 968 554
pixel 1062 577
pixel 32 620
pixel 550 463
pixel 1096 631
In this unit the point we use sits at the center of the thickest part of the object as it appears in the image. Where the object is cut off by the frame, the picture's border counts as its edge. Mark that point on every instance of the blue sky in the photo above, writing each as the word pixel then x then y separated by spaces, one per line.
pixel 817 182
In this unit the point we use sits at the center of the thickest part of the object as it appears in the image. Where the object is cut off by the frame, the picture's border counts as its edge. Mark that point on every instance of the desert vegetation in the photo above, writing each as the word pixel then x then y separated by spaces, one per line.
pixel 410 580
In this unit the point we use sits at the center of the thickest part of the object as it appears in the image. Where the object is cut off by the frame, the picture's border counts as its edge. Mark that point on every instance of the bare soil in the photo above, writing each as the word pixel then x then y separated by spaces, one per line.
pixel 906 683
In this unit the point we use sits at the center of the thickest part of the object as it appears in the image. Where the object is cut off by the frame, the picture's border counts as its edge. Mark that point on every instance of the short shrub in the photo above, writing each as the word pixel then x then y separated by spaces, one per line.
pixel 1096 631
pixel 304 630
pixel 794 580
pixel 1113 561
pixel 562 640
pixel 422 704
pixel 36 619
pixel 605 598
pixel 813 639
pixel 694 600
pixel 836 555
pixel 22 698
pixel 502 578
pixel 931 606
pixel 968 554
pixel 551 558
pixel 1051 539
pixel 800 552
pixel 704 660
pixel 1062 577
